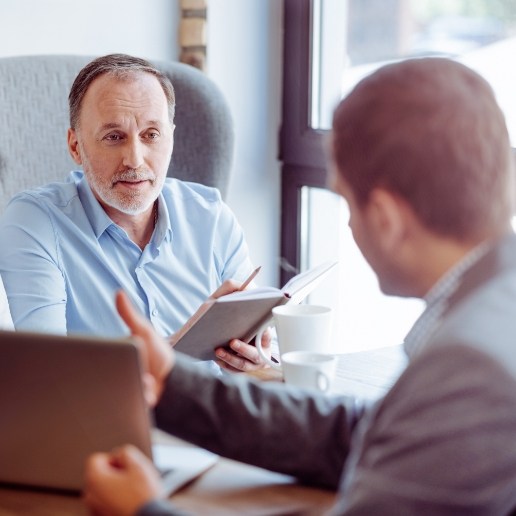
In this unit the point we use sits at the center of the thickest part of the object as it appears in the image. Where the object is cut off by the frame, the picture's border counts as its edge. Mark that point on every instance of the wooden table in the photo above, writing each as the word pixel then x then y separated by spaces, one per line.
pixel 228 488
pixel 232 488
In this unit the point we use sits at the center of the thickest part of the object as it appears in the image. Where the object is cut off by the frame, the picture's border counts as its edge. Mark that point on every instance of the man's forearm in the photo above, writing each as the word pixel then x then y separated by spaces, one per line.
pixel 264 424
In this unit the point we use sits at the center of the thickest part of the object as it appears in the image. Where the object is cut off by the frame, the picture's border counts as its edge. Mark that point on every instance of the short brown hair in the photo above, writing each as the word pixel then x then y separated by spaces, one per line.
pixel 430 131
pixel 118 65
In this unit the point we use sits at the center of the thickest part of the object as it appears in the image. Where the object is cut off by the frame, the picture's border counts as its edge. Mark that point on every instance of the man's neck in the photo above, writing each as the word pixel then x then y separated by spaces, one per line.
pixel 138 227
pixel 439 258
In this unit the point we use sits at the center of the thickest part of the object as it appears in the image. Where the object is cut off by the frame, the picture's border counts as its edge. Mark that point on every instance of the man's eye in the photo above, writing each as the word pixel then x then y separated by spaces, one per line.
pixel 152 135
pixel 113 137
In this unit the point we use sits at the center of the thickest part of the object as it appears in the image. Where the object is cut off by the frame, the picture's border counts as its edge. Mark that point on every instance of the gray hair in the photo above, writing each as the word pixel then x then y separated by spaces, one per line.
pixel 121 66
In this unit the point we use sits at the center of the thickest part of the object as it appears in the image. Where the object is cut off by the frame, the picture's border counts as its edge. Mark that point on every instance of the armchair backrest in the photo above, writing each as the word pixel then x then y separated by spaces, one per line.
pixel 34 122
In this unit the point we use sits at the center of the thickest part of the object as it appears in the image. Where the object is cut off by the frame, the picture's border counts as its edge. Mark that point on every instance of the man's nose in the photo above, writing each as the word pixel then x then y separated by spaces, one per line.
pixel 133 154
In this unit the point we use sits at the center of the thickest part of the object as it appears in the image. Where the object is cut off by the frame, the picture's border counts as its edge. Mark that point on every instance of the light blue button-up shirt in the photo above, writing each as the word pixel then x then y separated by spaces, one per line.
pixel 62 258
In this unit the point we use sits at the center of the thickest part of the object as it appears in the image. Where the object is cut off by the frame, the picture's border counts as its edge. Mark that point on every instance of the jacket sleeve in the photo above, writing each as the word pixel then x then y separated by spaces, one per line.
pixel 441 441
pixel 265 424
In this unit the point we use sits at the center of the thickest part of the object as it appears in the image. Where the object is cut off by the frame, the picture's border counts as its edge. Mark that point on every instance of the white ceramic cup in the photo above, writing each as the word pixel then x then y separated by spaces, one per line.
pixel 309 370
pixel 299 328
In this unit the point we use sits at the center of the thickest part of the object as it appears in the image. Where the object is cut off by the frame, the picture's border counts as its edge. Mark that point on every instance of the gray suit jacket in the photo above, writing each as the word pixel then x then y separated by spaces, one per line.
pixel 440 442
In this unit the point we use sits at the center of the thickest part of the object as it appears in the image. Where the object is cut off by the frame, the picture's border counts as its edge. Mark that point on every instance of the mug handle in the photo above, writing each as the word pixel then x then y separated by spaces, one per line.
pixel 323 381
pixel 258 344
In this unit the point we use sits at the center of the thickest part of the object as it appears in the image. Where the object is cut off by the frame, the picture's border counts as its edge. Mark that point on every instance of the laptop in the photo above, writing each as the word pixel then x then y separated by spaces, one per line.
pixel 65 397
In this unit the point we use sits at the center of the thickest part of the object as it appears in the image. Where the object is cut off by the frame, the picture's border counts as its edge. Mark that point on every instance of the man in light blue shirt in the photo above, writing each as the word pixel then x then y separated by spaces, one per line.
pixel 120 224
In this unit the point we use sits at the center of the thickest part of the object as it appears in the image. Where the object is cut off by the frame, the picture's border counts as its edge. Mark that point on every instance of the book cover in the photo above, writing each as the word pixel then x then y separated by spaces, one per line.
pixel 241 314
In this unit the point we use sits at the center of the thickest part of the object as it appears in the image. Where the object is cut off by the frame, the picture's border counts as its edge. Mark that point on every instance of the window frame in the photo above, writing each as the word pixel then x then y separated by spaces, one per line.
pixel 301 147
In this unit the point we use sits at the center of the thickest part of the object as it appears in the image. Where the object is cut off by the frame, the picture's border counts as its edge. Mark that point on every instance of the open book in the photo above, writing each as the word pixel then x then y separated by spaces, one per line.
pixel 241 314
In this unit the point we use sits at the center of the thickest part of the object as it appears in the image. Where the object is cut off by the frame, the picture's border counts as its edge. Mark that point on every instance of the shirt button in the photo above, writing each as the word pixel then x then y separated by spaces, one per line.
pixel 155 312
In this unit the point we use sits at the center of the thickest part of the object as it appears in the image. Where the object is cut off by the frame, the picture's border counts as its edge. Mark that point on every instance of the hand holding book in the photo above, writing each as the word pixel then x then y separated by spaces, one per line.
pixel 238 314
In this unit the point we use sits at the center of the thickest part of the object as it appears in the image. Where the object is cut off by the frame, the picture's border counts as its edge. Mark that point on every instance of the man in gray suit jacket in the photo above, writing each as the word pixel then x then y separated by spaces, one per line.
pixel 421 154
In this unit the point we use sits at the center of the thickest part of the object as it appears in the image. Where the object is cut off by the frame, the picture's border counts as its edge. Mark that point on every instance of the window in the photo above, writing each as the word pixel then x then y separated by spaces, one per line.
pixel 351 38
pixel 329 46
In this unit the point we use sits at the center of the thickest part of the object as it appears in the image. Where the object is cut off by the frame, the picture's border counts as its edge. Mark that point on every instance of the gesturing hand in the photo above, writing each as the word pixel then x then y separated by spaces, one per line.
pixel 120 482
pixel 156 353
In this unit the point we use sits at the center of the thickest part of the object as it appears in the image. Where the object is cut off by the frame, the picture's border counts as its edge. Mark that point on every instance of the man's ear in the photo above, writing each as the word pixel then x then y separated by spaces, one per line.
pixel 73 146
pixel 387 215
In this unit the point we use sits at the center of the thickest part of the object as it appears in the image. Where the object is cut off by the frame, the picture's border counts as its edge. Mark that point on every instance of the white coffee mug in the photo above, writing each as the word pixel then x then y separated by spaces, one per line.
pixel 299 328
pixel 309 370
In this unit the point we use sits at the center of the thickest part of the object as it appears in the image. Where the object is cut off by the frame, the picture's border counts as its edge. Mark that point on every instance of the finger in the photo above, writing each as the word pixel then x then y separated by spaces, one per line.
pixel 150 389
pixel 228 287
pixel 266 339
pixel 244 359
pixel 133 320
pixel 140 466
pixel 129 455
pixel 247 351
pixel 96 471
pixel 96 464
pixel 120 456
pixel 233 362
pixel 157 354
pixel 136 322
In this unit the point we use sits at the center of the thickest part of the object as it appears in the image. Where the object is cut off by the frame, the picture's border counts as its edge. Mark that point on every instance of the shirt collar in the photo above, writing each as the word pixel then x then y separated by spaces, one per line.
pixel 100 221
pixel 437 300
pixel 163 230
pixel 96 215
pixel 449 282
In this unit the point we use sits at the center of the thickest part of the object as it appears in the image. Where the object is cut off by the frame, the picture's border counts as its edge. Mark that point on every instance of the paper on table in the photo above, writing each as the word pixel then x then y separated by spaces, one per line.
pixel 181 464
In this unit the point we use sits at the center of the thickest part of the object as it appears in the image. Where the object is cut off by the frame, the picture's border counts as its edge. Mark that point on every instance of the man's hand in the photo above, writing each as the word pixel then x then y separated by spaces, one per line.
pixel 227 287
pixel 244 357
pixel 157 355
pixel 120 482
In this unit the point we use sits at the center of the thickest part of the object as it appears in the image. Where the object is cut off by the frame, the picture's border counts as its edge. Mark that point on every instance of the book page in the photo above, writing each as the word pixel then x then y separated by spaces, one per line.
pixel 252 293
pixel 298 287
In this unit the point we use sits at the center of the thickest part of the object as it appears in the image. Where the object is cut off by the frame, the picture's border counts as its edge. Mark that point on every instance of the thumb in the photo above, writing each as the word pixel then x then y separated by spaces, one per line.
pixel 124 456
pixel 157 354
pixel 136 322
pixel 150 390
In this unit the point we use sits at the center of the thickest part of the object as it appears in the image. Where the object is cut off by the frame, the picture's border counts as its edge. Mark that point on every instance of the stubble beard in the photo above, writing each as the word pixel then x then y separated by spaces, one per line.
pixel 128 202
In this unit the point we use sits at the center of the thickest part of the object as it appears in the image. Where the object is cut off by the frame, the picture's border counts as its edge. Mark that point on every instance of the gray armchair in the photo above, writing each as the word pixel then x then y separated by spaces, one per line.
pixel 34 121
